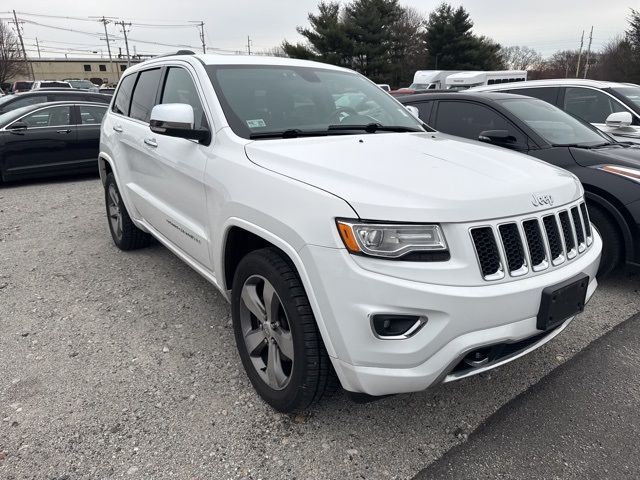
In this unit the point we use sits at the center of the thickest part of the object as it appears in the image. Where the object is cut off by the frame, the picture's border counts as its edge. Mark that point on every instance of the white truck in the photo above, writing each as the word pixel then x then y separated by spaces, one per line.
pixel 354 243
pixel 430 79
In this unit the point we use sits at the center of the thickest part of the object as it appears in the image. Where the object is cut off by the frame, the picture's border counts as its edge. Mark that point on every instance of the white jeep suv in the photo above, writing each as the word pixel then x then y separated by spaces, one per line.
pixel 353 242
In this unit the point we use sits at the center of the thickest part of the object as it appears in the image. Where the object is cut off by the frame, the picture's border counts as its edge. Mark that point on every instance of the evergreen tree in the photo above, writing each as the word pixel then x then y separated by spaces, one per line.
pixel 327 40
pixel 452 45
pixel 369 27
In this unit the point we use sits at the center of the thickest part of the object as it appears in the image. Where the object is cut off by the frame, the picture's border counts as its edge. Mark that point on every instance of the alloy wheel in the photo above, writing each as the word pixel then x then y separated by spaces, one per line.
pixel 266 332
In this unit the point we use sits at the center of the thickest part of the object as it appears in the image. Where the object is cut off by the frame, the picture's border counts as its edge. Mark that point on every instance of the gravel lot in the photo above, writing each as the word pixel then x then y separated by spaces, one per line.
pixel 123 365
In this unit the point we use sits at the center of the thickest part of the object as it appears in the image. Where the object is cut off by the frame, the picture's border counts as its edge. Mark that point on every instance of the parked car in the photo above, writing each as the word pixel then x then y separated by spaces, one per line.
pixel 344 239
pixel 385 87
pixel 50 139
pixel 612 107
pixel 82 84
pixel 107 90
pixel 608 170
pixel 49 84
pixel 11 102
pixel 22 86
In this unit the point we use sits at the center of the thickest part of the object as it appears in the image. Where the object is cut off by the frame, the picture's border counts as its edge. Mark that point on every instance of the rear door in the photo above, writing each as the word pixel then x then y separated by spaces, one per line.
pixel 46 146
pixel 88 119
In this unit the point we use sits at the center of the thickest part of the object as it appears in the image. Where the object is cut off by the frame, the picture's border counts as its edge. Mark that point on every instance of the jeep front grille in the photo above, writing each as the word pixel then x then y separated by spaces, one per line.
pixel 515 248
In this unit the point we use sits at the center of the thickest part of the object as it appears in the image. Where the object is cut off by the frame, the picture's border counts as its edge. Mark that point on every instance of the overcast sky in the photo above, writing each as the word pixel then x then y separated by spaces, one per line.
pixel 546 25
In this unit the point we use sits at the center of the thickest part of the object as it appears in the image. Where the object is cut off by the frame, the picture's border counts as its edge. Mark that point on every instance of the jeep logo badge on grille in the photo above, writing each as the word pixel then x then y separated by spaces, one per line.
pixel 540 200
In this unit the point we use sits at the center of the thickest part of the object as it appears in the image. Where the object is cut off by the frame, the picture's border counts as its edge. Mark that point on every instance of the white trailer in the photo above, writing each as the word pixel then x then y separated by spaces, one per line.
pixel 464 80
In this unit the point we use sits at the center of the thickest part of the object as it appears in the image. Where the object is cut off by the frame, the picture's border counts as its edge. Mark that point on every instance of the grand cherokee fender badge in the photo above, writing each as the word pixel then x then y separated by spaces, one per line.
pixel 540 200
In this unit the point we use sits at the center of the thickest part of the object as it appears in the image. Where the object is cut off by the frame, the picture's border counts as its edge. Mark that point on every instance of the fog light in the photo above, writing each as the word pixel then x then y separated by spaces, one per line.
pixel 396 327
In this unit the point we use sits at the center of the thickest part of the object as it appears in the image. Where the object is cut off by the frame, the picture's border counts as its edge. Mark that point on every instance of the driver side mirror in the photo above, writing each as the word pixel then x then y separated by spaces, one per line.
pixel 413 111
pixel 18 127
pixel 177 120
pixel 497 137
pixel 619 120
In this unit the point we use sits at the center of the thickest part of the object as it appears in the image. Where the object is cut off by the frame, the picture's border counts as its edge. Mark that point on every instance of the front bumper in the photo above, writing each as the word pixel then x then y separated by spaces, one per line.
pixel 460 318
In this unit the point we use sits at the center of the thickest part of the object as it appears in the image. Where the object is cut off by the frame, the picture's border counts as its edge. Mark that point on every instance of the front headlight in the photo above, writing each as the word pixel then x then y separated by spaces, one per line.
pixel 626 172
pixel 390 240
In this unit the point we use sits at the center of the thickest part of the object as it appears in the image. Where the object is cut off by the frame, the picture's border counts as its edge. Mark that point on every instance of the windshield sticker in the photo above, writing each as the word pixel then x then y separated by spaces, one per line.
pixel 257 123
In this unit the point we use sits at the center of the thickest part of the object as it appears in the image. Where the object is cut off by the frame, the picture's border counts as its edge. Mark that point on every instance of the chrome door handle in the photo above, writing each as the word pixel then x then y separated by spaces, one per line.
pixel 150 142
pixel 117 128
pixel 64 131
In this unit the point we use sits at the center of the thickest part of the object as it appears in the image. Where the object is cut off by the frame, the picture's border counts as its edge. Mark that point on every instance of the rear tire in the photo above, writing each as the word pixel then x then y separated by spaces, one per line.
pixel 272 316
pixel 612 242
pixel 124 232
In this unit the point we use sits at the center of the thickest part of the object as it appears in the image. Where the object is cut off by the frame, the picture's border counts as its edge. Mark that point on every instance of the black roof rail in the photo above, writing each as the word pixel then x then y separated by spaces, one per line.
pixel 177 52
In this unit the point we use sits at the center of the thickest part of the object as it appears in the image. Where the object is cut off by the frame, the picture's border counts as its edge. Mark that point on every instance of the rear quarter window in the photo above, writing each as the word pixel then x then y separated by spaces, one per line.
pixel 123 95
pixel 144 94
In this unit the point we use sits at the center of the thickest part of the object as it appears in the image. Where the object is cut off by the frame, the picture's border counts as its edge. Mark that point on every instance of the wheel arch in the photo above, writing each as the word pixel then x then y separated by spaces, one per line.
pixel 105 167
pixel 248 237
pixel 617 212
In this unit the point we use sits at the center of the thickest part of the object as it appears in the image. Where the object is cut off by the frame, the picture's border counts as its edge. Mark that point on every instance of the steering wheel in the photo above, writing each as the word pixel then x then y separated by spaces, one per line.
pixel 334 115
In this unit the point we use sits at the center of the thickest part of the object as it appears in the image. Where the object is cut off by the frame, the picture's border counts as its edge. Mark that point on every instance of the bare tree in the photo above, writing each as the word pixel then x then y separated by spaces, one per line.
pixel 12 63
pixel 521 58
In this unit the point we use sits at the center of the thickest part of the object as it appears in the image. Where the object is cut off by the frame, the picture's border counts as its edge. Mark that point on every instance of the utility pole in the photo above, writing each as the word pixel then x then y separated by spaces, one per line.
pixel 586 67
pixel 38 47
pixel 126 42
pixel 200 27
pixel 104 20
pixel 580 54
pixel 24 52
pixel 248 44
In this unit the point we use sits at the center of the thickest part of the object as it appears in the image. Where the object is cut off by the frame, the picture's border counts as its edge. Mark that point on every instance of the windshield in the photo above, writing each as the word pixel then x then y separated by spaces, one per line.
pixel 54 84
pixel 555 126
pixel 80 83
pixel 419 86
pixel 632 92
pixel 261 99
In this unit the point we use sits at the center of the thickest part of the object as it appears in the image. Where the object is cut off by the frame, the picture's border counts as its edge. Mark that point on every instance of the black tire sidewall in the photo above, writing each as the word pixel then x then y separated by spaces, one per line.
pixel 287 399
pixel 112 181
pixel 612 244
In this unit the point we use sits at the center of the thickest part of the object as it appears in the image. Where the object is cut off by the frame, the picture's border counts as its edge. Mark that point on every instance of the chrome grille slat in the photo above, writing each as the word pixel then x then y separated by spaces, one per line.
pixel 519 247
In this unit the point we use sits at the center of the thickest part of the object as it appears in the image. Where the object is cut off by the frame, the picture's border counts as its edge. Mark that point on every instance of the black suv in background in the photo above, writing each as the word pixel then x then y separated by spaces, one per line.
pixel 608 170
pixel 18 100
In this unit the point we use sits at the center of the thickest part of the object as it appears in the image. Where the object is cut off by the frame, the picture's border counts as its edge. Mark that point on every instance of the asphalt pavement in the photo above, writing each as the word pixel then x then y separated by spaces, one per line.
pixel 582 421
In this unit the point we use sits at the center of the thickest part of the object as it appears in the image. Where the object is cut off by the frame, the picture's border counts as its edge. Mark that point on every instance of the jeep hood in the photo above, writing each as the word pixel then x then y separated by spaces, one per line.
pixel 418 177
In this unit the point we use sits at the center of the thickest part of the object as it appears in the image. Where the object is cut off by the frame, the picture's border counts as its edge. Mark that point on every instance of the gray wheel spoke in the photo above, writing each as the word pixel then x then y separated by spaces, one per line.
pixel 285 342
pixel 255 342
pixel 114 196
pixel 252 301
pixel 119 224
pixel 275 375
pixel 113 211
pixel 271 302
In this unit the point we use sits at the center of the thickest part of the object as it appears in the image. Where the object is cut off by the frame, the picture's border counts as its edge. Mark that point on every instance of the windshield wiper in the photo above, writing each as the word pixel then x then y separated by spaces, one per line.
pixel 582 145
pixel 374 127
pixel 290 133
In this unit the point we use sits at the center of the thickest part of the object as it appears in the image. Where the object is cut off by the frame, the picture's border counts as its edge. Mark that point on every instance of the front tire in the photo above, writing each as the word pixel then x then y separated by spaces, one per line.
pixel 276 333
pixel 124 232
pixel 612 243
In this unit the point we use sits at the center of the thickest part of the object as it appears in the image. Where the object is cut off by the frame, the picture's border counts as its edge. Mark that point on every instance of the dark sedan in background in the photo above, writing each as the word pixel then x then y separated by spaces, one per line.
pixel 50 139
pixel 609 171
pixel 18 100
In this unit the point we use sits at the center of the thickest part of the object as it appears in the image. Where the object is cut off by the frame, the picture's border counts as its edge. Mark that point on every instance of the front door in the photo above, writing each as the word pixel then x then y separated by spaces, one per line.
pixel 46 146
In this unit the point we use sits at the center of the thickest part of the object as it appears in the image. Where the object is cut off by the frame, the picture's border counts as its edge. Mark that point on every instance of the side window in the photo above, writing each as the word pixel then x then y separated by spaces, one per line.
pixel 466 119
pixel 590 105
pixel 144 94
pixel 23 102
pixel 49 117
pixel 62 97
pixel 425 109
pixel 548 94
pixel 179 88
pixel 91 114
pixel 123 96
